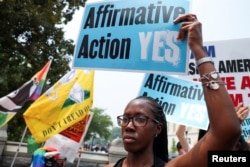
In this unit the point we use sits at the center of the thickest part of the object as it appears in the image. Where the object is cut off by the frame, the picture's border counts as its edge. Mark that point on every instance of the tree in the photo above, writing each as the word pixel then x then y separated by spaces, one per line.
pixel 30 32
pixel 115 132
pixel 173 146
pixel 101 124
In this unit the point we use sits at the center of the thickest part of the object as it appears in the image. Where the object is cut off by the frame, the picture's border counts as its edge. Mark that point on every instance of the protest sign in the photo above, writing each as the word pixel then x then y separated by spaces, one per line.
pixel 231 59
pixel 132 36
pixel 182 100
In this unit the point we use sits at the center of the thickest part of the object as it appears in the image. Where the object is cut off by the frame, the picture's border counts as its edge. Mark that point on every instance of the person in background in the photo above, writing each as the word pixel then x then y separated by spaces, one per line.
pixel 180 133
pixel 143 123
pixel 180 149
pixel 242 113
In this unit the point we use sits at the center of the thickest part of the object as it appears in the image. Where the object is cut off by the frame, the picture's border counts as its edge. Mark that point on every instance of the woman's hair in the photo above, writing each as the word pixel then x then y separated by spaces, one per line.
pixel 160 146
pixel 202 132
pixel 178 146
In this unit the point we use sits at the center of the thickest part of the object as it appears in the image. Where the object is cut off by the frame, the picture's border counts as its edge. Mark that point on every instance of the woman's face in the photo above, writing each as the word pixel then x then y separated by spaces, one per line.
pixel 139 138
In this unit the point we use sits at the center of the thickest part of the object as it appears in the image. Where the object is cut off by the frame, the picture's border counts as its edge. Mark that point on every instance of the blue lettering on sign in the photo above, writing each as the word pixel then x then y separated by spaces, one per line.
pixel 210 50
pixel 182 100
pixel 246 128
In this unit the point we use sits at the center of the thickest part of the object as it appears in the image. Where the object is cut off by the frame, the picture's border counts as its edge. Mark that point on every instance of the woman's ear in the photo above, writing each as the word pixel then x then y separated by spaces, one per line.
pixel 158 129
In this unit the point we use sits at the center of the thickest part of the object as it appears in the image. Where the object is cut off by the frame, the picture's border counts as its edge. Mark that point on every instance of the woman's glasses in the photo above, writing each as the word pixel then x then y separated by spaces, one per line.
pixel 138 120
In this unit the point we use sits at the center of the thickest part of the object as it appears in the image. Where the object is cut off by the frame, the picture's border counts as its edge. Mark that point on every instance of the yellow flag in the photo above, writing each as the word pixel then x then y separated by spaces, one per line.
pixel 67 102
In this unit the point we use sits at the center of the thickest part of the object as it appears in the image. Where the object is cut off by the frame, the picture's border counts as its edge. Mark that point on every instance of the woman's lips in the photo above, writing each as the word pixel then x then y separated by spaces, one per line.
pixel 128 139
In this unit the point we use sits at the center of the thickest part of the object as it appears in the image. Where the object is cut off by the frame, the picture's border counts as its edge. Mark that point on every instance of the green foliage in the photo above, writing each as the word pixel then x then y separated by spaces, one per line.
pixel 173 146
pixel 115 132
pixel 30 32
pixel 101 124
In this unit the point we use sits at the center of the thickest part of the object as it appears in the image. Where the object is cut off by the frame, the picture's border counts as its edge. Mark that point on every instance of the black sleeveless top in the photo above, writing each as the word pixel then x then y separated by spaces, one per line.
pixel 157 162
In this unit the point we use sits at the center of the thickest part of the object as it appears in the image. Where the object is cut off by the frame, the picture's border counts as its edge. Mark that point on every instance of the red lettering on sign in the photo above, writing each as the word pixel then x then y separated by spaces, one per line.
pixel 245 82
pixel 236 98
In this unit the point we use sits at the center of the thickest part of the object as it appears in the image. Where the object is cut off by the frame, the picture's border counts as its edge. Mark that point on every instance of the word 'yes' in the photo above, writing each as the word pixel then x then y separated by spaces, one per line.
pixel 193 112
pixel 164 46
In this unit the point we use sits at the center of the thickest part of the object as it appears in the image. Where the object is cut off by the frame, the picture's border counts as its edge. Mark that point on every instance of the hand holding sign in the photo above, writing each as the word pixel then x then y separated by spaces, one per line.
pixel 242 111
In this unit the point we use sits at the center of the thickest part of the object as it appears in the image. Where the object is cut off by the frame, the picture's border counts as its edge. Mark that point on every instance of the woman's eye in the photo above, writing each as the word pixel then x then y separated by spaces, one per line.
pixel 140 119
pixel 125 120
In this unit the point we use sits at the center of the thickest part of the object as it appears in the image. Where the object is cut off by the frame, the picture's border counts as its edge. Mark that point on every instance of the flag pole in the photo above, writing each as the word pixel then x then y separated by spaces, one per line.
pixel 41 73
pixel 18 148
pixel 79 156
pixel 83 136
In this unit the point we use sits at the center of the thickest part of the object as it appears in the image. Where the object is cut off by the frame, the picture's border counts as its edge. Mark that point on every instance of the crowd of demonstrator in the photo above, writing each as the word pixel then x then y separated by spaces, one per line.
pixel 97 148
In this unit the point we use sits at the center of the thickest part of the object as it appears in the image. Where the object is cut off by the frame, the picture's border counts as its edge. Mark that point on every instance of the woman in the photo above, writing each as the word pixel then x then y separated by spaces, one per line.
pixel 144 124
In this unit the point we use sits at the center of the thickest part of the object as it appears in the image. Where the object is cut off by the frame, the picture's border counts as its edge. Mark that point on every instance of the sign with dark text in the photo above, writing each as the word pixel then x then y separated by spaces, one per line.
pixel 132 35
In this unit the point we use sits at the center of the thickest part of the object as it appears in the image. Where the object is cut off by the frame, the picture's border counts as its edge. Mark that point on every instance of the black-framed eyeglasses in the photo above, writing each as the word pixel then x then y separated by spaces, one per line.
pixel 138 120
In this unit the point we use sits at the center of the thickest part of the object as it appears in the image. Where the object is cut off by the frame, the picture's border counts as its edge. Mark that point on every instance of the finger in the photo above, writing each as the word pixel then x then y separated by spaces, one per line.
pixel 239 115
pixel 238 107
pixel 244 109
pixel 183 31
pixel 243 115
pixel 186 17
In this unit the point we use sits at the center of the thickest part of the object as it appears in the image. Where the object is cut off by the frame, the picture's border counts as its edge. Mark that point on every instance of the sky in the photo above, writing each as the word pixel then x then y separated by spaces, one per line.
pixel 221 20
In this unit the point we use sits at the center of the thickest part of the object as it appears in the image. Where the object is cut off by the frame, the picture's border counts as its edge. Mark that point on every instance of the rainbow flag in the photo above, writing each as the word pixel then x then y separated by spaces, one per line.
pixel 40 78
pixel 29 91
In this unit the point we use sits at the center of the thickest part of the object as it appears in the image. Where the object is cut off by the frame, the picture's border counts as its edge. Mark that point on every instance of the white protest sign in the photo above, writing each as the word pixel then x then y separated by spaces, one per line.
pixel 232 61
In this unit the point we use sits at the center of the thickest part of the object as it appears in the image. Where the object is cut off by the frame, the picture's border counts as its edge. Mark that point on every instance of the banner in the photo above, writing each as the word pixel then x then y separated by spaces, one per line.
pixel 182 100
pixel 67 102
pixel 69 141
pixel 132 36
pixel 30 91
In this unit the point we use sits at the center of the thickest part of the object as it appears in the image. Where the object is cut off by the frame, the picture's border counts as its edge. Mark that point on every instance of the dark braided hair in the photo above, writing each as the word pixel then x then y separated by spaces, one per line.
pixel 160 146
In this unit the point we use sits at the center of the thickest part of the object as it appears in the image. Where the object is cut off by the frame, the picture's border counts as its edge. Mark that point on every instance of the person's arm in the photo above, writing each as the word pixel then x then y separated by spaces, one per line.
pixel 225 127
pixel 180 133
